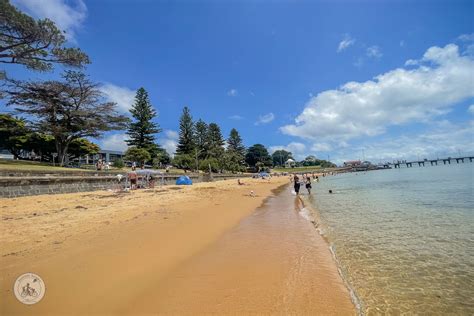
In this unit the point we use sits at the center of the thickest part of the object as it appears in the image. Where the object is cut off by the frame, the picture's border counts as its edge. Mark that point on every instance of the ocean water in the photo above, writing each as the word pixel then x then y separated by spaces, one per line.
pixel 403 238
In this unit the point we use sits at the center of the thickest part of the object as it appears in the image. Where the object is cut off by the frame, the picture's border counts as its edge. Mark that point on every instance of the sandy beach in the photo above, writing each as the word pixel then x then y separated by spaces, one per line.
pixel 206 248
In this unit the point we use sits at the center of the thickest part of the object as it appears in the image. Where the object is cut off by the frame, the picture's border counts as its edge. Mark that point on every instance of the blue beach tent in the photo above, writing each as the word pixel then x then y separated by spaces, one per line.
pixel 184 180
pixel 264 174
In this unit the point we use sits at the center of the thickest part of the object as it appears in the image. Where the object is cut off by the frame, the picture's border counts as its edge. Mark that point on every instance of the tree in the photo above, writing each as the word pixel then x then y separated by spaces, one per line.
pixel 67 110
pixel 142 130
pixel 186 134
pixel 135 154
pixel 13 134
pixel 82 147
pixel 215 142
pixel 36 44
pixel 235 153
pixel 184 161
pixel 161 158
pixel 42 145
pixel 280 156
pixel 201 139
pixel 258 154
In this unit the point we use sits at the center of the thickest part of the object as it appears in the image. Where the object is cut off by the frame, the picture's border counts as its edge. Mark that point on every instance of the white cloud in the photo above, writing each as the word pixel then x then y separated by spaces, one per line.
pixel 232 93
pixel 466 37
pixel 68 15
pixel 360 109
pixel 346 42
pixel 443 140
pixel 321 147
pixel 170 141
pixel 471 109
pixel 114 142
pixel 374 52
pixel 236 117
pixel 265 119
pixel 297 149
pixel 123 96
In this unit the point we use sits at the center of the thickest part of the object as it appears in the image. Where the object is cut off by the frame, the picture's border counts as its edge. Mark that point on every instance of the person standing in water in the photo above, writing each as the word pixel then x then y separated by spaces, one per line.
pixel 296 184
pixel 308 184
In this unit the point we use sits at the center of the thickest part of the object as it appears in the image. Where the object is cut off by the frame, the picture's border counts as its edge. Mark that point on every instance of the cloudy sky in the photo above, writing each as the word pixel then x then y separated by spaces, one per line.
pixel 345 80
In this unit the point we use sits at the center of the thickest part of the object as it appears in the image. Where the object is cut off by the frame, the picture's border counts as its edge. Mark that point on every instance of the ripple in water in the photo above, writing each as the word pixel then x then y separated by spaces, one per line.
pixel 404 237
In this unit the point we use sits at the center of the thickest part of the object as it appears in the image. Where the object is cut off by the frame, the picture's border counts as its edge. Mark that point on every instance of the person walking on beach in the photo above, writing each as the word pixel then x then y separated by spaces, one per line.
pixel 308 184
pixel 296 184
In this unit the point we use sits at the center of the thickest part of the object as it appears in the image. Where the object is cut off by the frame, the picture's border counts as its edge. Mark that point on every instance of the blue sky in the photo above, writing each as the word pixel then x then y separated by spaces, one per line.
pixel 380 80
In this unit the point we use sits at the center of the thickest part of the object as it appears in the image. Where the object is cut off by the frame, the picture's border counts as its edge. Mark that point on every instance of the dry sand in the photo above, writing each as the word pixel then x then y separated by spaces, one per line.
pixel 170 250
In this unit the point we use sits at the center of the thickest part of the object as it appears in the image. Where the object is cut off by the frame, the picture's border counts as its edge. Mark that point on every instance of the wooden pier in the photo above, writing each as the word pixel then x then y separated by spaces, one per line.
pixel 433 162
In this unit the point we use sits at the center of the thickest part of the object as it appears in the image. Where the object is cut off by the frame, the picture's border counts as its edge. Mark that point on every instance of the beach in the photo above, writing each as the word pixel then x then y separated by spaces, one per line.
pixel 206 248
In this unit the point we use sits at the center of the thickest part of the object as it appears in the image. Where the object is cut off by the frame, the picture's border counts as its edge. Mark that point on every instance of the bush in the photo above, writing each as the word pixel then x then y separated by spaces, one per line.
pixel 118 164
pixel 184 161
pixel 139 155
pixel 204 165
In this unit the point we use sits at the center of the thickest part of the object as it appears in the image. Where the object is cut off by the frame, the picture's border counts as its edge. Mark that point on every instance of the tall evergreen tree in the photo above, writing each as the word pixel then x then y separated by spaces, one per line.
pixel 215 141
pixel 186 142
pixel 235 153
pixel 235 143
pixel 141 131
pixel 201 139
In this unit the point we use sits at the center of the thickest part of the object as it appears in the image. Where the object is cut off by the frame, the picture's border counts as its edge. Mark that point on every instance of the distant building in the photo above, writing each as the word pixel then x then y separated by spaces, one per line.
pixel 289 163
pixel 105 155
pixel 5 154
pixel 352 163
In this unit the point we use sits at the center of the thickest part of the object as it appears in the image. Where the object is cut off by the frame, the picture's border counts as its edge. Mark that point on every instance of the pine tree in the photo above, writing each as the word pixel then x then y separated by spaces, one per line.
pixel 141 131
pixel 186 142
pixel 201 139
pixel 235 143
pixel 235 154
pixel 215 141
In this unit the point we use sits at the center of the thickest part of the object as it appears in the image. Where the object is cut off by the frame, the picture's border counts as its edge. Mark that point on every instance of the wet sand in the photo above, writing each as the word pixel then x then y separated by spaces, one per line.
pixel 200 249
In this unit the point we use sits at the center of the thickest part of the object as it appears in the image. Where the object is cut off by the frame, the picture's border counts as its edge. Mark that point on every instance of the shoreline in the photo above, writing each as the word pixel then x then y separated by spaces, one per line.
pixel 100 242
pixel 315 219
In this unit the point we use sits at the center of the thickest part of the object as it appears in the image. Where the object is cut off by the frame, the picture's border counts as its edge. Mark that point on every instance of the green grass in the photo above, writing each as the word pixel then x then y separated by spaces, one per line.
pixel 302 169
pixel 22 165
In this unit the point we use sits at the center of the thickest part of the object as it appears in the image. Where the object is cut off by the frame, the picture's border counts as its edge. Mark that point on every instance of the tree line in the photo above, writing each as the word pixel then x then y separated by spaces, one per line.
pixel 58 116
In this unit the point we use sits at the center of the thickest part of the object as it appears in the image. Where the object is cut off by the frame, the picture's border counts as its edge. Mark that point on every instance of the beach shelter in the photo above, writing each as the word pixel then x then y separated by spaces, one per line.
pixel 147 174
pixel 184 180
pixel 289 163
pixel 263 174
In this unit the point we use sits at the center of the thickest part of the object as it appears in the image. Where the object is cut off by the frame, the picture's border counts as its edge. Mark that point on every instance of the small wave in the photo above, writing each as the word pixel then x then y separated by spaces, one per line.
pixel 306 214
pixel 309 213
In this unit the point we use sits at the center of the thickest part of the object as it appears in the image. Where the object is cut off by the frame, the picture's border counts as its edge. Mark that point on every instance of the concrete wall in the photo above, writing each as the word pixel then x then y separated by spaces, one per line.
pixel 32 183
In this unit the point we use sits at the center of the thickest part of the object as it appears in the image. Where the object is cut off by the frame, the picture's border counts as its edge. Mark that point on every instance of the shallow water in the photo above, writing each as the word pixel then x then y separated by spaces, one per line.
pixel 404 238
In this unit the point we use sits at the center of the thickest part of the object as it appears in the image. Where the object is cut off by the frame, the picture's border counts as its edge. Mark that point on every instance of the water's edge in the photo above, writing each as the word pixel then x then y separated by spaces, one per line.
pixel 310 213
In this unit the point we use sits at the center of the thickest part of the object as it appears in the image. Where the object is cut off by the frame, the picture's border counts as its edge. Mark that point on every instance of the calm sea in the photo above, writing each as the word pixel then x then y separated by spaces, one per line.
pixel 404 238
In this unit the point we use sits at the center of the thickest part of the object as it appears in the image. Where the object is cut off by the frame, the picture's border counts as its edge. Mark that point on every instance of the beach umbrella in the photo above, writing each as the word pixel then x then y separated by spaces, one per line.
pixel 184 180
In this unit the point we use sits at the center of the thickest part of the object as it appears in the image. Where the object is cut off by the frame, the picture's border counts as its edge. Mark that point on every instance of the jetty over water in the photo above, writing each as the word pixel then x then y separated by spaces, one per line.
pixel 432 162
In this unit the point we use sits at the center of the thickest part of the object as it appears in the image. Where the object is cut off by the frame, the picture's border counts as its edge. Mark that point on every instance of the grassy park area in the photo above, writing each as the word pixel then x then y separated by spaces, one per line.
pixel 301 169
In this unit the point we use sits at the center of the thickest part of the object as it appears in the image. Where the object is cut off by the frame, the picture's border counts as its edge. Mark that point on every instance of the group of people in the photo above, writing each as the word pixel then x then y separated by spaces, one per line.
pixel 102 165
pixel 306 181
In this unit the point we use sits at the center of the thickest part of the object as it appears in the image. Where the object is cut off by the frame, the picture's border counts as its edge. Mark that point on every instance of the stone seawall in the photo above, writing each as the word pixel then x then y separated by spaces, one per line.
pixel 17 184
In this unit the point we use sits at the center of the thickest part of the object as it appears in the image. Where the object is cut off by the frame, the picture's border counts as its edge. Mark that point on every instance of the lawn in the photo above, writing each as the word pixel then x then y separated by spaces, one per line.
pixel 303 169
pixel 23 165
pixel 6 164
